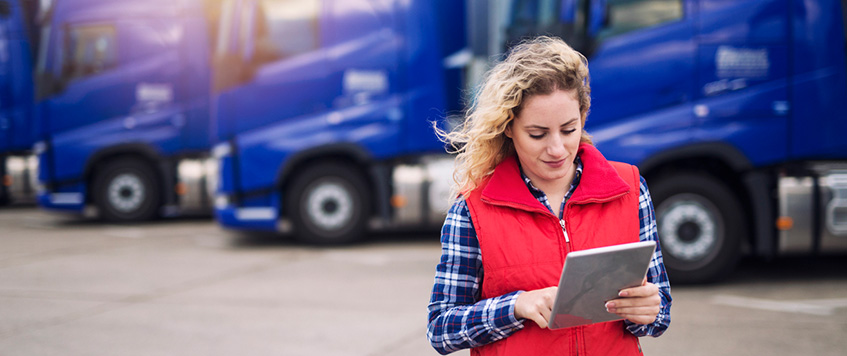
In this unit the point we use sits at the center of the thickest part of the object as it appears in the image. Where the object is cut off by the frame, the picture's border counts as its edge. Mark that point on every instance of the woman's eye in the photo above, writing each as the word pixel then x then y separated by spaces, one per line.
pixel 568 132
pixel 538 136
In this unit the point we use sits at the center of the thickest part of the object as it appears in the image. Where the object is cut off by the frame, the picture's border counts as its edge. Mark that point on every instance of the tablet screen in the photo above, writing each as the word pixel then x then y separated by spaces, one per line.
pixel 592 277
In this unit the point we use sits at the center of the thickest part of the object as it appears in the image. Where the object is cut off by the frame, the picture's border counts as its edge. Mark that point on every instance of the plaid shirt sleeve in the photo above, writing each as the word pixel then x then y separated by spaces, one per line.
pixel 656 271
pixel 458 318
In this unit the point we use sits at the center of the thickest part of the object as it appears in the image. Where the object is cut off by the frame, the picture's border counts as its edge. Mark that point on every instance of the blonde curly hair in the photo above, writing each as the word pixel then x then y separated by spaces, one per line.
pixel 538 66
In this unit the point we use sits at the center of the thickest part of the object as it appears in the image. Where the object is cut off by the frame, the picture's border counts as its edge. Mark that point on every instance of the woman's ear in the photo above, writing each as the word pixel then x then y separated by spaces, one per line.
pixel 508 130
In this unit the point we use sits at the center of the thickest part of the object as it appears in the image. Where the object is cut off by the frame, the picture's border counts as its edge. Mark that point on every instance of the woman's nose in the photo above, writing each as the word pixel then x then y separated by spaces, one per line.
pixel 555 146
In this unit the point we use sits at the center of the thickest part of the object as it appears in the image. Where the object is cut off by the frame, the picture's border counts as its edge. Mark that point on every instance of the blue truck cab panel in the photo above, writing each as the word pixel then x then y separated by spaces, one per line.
pixel 18 39
pixel 748 74
pixel 120 82
pixel 361 83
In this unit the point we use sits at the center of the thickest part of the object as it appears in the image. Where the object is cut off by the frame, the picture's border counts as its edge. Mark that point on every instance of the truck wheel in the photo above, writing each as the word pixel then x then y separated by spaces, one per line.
pixel 328 203
pixel 126 190
pixel 701 226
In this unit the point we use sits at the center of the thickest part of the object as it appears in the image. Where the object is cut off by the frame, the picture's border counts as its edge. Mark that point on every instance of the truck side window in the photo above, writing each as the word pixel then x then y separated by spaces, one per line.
pixel 90 49
pixel 287 28
pixel 529 18
pixel 629 15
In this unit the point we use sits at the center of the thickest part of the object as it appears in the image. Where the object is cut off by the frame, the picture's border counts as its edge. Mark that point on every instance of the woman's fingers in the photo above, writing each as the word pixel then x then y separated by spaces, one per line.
pixel 645 290
pixel 643 310
pixel 640 305
pixel 536 305
pixel 541 319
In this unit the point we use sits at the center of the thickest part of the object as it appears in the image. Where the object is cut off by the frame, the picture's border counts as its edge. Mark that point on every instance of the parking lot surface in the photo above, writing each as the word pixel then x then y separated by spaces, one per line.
pixel 185 287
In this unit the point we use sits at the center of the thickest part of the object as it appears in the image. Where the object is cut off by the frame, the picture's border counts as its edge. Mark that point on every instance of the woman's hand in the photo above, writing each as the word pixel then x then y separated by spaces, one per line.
pixel 639 305
pixel 536 305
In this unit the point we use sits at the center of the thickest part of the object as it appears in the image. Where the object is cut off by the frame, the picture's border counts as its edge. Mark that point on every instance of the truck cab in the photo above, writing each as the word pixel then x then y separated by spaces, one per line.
pixel 122 107
pixel 317 105
pixel 732 110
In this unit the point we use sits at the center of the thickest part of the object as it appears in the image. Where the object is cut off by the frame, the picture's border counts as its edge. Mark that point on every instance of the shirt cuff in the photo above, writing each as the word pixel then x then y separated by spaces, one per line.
pixel 501 315
pixel 656 329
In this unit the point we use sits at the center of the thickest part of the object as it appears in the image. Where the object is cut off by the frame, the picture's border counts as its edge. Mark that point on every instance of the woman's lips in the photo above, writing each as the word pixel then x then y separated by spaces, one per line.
pixel 555 164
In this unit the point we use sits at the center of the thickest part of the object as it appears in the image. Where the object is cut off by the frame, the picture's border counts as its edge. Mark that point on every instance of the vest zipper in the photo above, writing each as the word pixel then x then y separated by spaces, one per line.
pixel 562 222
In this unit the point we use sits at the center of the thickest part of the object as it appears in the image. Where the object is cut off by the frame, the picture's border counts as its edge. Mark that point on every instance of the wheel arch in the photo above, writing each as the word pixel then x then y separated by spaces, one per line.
pixel 721 153
pixel 345 152
pixel 728 165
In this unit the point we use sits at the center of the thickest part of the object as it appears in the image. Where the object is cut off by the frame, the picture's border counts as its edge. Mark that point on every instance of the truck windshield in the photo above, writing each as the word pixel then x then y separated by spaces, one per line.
pixel 286 28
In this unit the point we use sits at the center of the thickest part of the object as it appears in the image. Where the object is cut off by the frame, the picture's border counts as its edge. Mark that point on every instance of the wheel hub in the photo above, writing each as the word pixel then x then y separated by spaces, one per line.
pixel 689 230
pixel 126 192
pixel 329 206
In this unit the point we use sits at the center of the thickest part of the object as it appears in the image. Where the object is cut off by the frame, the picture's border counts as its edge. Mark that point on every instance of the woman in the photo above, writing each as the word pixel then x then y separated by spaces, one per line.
pixel 533 188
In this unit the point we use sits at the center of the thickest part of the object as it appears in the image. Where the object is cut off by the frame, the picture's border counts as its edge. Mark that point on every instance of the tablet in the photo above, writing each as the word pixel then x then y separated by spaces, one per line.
pixel 592 277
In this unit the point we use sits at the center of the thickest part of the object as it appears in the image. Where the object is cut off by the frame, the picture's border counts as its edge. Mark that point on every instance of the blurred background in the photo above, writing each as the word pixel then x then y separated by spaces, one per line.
pixel 263 177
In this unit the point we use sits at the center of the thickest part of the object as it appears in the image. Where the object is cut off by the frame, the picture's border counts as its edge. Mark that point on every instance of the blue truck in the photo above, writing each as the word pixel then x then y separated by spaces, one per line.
pixel 122 106
pixel 18 39
pixel 734 110
pixel 323 113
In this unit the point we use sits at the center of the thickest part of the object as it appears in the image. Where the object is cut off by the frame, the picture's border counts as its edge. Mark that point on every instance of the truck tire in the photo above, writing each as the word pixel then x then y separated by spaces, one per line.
pixel 126 190
pixel 328 203
pixel 701 225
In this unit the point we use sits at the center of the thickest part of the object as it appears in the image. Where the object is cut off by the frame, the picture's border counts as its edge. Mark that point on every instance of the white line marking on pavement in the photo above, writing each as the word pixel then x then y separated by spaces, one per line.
pixel 358 257
pixel 822 307
pixel 128 233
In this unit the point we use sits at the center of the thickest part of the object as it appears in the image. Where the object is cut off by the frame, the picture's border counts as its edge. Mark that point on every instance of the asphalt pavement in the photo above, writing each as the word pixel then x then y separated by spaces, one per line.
pixel 70 286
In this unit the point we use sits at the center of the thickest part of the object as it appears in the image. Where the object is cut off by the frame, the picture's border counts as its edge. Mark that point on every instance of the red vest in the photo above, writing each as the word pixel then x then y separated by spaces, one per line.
pixel 524 248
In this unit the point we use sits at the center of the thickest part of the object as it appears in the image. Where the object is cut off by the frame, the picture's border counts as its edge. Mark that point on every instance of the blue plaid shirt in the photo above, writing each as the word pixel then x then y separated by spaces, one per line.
pixel 459 319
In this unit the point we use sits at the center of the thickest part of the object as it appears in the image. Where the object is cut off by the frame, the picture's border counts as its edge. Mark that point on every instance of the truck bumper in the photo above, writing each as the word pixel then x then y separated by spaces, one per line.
pixel 247 218
pixel 71 201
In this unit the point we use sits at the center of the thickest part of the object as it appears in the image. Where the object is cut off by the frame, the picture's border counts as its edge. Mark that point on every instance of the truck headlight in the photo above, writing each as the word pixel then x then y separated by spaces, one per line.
pixel 221 150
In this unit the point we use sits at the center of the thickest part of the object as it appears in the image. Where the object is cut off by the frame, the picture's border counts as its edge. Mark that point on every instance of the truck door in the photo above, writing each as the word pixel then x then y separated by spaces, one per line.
pixel 363 73
pixel 642 62
pixel 271 73
pixel 742 89
pixel 156 67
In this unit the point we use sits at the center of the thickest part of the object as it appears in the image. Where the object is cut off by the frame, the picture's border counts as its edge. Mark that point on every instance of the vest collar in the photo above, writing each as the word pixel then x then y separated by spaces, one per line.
pixel 600 182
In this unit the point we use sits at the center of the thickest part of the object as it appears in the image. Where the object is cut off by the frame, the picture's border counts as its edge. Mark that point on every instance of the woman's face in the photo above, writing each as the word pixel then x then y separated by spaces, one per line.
pixel 546 136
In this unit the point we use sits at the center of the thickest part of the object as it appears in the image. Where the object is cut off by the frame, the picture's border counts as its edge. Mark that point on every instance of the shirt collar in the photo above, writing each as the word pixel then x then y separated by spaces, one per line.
pixel 538 194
